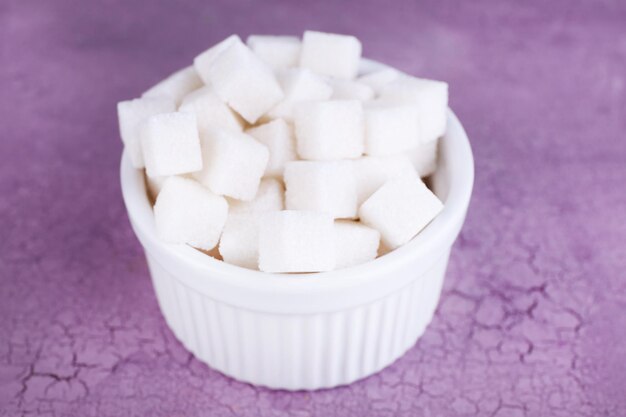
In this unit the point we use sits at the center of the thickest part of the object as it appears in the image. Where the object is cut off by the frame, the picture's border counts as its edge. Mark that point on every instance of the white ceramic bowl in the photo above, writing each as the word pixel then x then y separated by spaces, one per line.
pixel 306 331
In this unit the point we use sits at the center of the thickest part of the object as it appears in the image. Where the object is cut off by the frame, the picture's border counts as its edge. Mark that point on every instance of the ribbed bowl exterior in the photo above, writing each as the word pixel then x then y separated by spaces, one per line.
pixel 299 351
pixel 311 331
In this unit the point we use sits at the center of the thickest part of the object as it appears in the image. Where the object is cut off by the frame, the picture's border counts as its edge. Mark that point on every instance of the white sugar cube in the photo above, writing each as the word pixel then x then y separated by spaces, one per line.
pixel 431 98
pixel 370 173
pixel 424 157
pixel 269 197
pixel 276 51
pixel 177 85
pixel 331 54
pixel 171 144
pixel 187 212
pixel 131 115
pixel 296 241
pixel 331 129
pixel 377 80
pixel 210 110
pixel 324 186
pixel 233 163
pixel 400 209
pixel 350 90
pixel 391 129
pixel 355 243
pixel 244 82
pixel 278 136
pixel 203 62
pixel 299 84
pixel 154 186
pixel 239 244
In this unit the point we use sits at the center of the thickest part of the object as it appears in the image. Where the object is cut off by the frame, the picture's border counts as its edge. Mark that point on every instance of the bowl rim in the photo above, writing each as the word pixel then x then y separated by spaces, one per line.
pixel 441 232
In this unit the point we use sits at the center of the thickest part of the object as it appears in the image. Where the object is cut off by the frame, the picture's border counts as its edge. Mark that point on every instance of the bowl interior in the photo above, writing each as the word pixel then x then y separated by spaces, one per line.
pixel 452 182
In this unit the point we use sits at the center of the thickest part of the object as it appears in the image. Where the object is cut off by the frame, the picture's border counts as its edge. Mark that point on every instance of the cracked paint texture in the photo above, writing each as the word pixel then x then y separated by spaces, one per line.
pixel 532 319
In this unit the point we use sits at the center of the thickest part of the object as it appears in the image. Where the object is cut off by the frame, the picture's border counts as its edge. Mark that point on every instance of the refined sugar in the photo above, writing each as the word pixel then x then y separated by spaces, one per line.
pixel 355 243
pixel 377 80
pixel 350 90
pixel 296 241
pixel 424 157
pixel 244 82
pixel 391 129
pixel 276 51
pixel 239 244
pixel 269 197
pixel 170 144
pixel 400 209
pixel 131 115
pixel 278 136
pixel 177 85
pixel 327 172
pixel 331 54
pixel 299 84
pixel 203 62
pixel 324 186
pixel 233 163
pixel 331 129
pixel 370 173
pixel 155 185
pixel 431 98
pixel 187 212
pixel 210 110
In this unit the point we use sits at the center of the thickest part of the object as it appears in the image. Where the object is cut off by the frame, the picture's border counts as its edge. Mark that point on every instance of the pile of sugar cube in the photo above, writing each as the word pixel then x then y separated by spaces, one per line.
pixel 277 155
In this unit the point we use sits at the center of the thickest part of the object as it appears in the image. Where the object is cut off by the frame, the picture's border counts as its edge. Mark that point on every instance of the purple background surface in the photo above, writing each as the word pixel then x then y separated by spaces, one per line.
pixel 532 319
